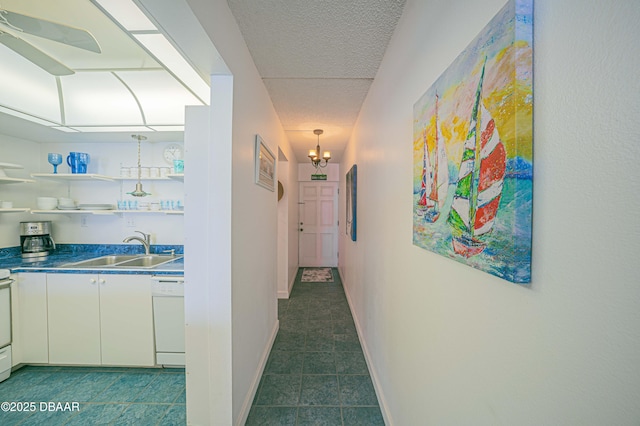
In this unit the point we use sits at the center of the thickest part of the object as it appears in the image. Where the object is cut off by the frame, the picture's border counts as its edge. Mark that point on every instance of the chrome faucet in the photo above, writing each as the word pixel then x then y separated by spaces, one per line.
pixel 145 241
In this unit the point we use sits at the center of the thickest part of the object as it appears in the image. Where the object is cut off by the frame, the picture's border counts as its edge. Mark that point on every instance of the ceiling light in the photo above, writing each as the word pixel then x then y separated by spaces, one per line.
pixel 314 155
pixel 167 55
pixel 139 192
pixel 127 14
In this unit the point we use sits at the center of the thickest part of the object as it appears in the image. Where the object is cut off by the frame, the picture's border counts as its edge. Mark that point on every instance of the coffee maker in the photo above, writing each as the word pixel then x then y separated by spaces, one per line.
pixel 35 240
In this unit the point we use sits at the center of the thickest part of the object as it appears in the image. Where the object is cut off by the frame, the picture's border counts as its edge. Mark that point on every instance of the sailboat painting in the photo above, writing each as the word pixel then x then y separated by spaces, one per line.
pixel 473 151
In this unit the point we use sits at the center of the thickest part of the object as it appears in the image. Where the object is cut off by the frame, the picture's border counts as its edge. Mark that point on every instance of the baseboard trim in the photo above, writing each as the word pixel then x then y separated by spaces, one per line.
pixel 372 371
pixel 283 294
pixel 292 281
pixel 246 407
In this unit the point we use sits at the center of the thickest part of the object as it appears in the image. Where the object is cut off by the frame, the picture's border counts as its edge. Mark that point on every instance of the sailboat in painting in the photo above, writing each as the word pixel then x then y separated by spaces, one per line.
pixel 477 196
pixel 435 177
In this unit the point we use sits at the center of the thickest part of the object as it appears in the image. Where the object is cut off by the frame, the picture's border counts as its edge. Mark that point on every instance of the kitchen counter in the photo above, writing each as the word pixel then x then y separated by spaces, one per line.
pixel 10 258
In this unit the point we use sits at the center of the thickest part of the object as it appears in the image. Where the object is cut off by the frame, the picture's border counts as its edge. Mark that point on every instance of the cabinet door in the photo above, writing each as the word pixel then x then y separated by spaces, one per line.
pixel 29 319
pixel 74 319
pixel 126 319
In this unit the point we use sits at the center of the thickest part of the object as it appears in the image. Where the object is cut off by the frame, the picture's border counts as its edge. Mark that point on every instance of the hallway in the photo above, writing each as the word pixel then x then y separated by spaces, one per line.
pixel 316 372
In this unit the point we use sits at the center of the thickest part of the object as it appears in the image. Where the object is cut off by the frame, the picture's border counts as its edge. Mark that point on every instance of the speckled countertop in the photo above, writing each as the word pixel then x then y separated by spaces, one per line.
pixel 10 258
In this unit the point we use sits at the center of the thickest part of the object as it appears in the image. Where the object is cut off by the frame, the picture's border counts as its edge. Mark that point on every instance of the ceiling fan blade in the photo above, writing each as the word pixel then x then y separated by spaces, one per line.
pixel 65 34
pixel 34 54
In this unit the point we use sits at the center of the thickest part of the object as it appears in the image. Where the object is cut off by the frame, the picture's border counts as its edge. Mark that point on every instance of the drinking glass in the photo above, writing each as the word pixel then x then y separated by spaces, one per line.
pixel 55 160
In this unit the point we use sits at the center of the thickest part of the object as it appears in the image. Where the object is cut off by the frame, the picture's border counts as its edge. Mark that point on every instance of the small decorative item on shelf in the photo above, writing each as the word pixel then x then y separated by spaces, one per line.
pixel 78 161
pixel 55 160
pixel 178 166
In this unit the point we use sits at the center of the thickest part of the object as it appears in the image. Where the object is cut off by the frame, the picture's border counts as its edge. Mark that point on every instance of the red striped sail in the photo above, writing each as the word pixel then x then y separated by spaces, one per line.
pixel 480 181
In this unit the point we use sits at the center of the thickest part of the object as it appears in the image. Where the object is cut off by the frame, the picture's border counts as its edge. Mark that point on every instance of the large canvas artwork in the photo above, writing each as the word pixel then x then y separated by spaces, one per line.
pixel 472 152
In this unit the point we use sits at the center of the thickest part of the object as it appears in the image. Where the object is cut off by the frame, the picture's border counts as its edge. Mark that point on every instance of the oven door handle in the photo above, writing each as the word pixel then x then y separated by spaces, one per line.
pixel 5 283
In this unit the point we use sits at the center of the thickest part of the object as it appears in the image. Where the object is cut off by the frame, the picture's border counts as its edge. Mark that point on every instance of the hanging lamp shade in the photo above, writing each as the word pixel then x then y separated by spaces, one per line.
pixel 139 192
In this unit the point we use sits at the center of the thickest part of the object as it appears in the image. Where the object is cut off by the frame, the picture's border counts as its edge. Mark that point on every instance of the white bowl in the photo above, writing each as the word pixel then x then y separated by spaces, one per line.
pixel 66 202
pixel 47 203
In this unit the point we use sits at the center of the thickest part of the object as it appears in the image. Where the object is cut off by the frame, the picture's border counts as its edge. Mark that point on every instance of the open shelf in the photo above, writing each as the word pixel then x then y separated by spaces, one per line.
pixel 142 178
pixel 176 176
pixel 5 179
pixel 96 212
pixel 14 210
pixel 72 176
pixel 174 212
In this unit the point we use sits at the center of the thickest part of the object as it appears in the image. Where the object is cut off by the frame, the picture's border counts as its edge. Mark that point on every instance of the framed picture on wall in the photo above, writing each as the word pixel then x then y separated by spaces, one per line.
pixel 265 165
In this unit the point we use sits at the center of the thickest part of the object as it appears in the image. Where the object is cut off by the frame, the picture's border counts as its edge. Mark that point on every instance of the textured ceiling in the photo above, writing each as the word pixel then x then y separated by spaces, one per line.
pixel 317 60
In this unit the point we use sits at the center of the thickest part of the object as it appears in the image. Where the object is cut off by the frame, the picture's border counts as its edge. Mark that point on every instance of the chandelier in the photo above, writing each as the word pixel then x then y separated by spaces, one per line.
pixel 314 155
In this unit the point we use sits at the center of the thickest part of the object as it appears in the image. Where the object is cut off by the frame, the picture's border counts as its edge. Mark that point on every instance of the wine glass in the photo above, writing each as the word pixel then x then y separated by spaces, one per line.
pixel 54 160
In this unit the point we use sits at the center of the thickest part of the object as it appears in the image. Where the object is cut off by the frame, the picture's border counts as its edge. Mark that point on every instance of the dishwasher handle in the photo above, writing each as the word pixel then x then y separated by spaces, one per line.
pixel 168 279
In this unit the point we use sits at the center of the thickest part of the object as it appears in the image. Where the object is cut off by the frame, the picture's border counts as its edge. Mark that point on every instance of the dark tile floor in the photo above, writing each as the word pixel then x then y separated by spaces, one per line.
pixel 104 396
pixel 316 373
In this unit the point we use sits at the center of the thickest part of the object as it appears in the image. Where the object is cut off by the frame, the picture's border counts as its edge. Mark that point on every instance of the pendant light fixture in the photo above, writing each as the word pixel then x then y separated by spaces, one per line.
pixel 314 155
pixel 139 192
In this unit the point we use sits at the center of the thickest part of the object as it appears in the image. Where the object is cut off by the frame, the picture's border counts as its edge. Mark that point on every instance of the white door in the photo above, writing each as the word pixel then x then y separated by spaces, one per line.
pixel 318 224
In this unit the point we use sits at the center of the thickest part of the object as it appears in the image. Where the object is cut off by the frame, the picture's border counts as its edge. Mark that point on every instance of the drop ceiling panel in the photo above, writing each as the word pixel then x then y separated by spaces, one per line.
pixel 87 94
pixel 26 88
pixel 152 88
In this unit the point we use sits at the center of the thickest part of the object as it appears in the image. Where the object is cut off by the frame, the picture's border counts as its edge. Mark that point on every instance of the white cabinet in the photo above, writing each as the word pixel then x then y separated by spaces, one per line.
pixel 100 319
pixel 126 320
pixel 29 319
pixel 74 319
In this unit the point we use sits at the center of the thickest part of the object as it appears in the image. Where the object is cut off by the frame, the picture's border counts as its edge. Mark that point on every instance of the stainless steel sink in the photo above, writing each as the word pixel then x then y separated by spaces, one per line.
pixel 124 261
pixel 102 261
pixel 148 261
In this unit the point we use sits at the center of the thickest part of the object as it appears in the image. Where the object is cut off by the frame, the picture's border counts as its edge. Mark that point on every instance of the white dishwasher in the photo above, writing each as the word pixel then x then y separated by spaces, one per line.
pixel 168 319
pixel 5 324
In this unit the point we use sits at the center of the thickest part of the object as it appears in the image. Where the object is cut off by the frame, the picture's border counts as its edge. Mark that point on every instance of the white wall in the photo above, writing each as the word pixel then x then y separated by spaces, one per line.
pixel 106 159
pixel 254 224
pixel 16 151
pixel 306 170
pixel 287 226
pixel 449 344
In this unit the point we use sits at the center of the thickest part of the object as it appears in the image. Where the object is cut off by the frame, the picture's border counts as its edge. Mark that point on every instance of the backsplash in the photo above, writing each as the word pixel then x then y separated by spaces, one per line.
pixel 97 249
